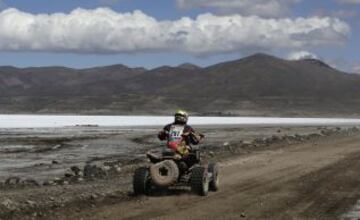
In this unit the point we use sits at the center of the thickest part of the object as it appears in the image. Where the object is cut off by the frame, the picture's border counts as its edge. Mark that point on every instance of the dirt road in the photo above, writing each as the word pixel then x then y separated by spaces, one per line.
pixel 314 180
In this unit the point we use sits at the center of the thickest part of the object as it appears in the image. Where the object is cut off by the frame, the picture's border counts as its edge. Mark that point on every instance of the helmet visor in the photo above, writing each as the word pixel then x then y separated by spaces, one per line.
pixel 180 118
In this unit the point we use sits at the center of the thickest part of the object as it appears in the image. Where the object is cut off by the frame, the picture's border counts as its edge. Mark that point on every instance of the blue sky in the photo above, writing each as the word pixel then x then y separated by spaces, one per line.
pixel 159 35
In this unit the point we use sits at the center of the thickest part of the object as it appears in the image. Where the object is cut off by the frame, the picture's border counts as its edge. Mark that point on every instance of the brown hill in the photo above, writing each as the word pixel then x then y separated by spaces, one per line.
pixel 255 85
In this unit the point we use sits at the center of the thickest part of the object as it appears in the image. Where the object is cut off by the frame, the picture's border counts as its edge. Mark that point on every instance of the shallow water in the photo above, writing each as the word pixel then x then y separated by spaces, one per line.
pixel 30 152
pixel 29 143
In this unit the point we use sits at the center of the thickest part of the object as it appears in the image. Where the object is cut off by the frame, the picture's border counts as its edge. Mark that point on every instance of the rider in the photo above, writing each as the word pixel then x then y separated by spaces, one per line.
pixel 179 135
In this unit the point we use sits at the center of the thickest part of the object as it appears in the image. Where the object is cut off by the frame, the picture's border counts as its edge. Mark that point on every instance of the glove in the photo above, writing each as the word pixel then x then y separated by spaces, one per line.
pixel 162 135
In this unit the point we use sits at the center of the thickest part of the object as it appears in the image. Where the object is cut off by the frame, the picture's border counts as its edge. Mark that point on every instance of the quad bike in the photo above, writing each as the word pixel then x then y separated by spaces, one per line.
pixel 169 169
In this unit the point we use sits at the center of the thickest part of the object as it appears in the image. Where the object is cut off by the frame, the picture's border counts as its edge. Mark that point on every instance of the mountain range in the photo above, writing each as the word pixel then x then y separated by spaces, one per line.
pixel 260 85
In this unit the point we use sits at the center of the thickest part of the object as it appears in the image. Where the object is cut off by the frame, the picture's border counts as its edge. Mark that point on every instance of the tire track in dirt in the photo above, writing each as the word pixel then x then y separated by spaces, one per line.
pixel 316 180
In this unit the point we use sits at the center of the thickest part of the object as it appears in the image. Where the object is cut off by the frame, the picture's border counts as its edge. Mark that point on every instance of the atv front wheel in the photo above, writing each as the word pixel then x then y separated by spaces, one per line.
pixel 199 181
pixel 165 173
pixel 141 181
pixel 214 182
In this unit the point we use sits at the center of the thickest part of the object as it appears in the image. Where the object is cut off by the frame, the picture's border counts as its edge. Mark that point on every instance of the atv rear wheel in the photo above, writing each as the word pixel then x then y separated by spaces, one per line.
pixel 215 181
pixel 141 181
pixel 199 181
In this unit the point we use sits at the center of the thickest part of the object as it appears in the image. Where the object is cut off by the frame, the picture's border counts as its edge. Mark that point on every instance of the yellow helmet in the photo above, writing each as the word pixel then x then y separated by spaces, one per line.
pixel 181 117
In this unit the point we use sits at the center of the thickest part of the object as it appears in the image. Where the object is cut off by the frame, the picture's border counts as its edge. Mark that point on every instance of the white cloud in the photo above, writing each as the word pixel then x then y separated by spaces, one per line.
pixel 349 1
pixel 300 55
pixel 265 8
pixel 105 31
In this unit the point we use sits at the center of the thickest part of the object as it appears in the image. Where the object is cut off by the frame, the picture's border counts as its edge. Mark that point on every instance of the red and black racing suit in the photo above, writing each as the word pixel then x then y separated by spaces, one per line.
pixel 175 133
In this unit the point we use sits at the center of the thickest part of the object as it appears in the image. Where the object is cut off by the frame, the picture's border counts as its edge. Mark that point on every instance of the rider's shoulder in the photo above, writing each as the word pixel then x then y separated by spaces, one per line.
pixel 188 127
pixel 168 126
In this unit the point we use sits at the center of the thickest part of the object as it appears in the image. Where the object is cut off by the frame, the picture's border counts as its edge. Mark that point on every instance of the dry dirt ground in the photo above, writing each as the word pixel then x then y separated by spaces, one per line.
pixel 318 179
